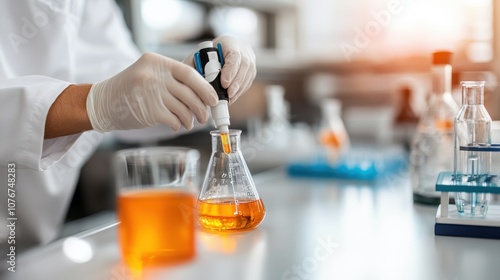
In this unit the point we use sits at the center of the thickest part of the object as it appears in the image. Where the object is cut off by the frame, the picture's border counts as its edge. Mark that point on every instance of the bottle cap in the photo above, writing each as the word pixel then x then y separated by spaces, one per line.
pixel 441 57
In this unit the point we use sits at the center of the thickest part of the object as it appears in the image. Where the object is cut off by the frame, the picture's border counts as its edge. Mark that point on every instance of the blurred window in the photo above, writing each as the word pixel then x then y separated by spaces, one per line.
pixel 382 30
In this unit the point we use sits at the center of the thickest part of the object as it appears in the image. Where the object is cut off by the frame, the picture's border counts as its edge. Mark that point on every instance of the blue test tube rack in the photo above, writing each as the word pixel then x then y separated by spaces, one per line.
pixel 449 222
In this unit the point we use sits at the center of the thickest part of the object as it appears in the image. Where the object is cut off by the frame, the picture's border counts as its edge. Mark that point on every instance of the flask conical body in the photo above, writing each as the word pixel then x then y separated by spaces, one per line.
pixel 228 200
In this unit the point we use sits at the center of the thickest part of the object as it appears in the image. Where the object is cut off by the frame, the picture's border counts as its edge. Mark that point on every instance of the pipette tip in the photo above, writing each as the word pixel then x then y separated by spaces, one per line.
pixel 224 135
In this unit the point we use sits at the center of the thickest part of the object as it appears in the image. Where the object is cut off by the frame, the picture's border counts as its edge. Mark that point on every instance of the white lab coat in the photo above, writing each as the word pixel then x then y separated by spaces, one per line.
pixel 44 46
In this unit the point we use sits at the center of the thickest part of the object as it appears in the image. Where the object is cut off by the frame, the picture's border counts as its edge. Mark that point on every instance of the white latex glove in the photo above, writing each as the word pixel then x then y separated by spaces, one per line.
pixel 155 89
pixel 239 68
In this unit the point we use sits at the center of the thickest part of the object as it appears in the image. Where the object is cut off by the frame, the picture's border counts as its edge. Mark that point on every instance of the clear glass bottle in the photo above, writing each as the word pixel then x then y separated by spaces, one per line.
pixel 432 146
pixel 228 200
pixel 472 129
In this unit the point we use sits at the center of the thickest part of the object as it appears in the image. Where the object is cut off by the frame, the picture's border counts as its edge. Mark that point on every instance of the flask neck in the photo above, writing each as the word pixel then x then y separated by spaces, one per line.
pixel 234 140
pixel 441 78
pixel 473 94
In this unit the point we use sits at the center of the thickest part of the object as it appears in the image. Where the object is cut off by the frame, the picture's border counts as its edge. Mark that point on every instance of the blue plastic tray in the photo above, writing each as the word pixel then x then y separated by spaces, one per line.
pixel 363 164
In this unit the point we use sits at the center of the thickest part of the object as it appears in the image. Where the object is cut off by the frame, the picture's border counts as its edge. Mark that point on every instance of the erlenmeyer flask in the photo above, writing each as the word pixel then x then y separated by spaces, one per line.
pixel 228 200
pixel 333 135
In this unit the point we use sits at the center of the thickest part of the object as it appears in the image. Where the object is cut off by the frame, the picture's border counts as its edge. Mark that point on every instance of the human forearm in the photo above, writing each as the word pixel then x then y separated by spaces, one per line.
pixel 68 114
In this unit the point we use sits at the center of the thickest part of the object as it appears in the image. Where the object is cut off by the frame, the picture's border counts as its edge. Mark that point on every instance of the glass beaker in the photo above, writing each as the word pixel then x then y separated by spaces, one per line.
pixel 228 200
pixel 156 193
pixel 472 129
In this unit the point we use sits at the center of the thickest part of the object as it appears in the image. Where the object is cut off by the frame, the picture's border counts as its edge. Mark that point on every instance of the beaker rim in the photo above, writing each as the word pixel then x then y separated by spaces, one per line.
pixel 157 151
pixel 232 132
pixel 472 83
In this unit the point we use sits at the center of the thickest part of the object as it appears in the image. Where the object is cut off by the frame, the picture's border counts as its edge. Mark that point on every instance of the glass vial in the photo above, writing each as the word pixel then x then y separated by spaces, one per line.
pixel 333 134
pixel 472 129
pixel 432 146
pixel 228 201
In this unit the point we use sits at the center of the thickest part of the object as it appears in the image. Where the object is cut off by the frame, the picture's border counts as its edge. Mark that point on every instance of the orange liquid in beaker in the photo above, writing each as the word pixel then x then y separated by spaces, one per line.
pixel 156 227
pixel 226 215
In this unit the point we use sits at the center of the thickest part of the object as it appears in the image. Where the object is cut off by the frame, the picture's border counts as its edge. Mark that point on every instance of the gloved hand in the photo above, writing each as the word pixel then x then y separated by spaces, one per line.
pixel 239 68
pixel 155 89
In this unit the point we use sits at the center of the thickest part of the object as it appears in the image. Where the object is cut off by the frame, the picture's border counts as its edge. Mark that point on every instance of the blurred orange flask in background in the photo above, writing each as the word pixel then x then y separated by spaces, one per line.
pixel 157 227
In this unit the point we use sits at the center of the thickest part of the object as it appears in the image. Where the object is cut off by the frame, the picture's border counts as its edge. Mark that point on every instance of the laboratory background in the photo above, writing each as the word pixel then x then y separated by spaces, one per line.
pixel 342 135
pixel 364 54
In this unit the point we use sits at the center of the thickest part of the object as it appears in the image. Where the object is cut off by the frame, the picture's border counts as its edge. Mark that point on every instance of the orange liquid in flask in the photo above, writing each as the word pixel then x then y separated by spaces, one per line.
pixel 226 215
pixel 157 227
pixel 444 124
pixel 226 144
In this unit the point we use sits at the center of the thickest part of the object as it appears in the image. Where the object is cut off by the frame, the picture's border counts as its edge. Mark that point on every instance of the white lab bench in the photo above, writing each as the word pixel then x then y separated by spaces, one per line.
pixel 314 229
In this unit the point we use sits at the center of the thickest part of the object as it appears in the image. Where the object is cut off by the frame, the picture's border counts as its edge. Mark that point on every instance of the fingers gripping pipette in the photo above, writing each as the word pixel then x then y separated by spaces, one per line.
pixel 208 62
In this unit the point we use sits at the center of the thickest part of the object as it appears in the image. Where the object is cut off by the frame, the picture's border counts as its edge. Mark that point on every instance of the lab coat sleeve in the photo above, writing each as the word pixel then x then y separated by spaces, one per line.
pixel 104 45
pixel 24 105
pixel 46 170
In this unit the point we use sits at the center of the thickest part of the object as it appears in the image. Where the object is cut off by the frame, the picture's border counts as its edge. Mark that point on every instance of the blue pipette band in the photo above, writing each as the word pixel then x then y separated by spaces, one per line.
pixel 197 59
pixel 221 57
pixel 197 63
